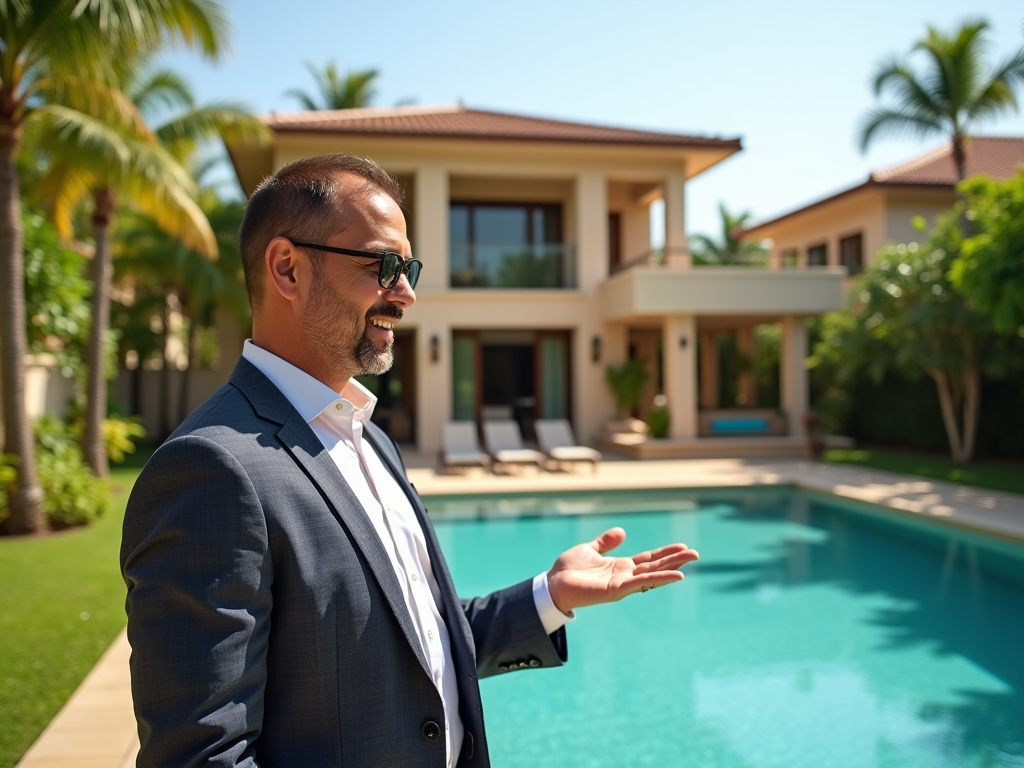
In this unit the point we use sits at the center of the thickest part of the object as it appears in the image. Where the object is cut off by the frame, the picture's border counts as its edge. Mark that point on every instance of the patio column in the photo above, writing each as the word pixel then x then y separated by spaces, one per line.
pixel 793 372
pixel 679 342
pixel 675 221
pixel 708 369
pixel 430 226
pixel 746 389
pixel 591 230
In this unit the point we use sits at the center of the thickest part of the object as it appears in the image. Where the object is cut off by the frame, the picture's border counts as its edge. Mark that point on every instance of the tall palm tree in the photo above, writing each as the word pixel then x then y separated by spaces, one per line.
pixel 730 249
pixel 955 89
pixel 46 46
pixel 146 172
pixel 355 89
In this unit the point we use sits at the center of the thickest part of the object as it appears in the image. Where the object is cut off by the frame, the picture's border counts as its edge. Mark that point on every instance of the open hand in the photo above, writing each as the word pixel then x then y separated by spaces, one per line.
pixel 584 576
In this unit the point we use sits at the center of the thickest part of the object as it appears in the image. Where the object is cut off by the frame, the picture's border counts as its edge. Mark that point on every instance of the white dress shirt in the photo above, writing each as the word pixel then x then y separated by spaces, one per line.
pixel 337 421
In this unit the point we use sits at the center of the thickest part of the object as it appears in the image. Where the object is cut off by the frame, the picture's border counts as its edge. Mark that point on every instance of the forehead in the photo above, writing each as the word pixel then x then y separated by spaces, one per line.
pixel 365 206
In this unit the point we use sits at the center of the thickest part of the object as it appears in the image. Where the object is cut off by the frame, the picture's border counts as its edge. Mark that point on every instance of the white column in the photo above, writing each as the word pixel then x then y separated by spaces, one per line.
pixel 433 385
pixel 793 372
pixel 431 227
pixel 675 220
pixel 680 361
pixel 591 230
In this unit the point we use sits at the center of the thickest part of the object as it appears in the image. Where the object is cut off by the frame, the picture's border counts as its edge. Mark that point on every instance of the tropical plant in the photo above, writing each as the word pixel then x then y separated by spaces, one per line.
pixel 72 495
pixel 626 382
pixel 729 249
pixel 336 91
pixel 954 89
pixel 148 177
pixel 55 73
pixel 906 316
pixel 990 270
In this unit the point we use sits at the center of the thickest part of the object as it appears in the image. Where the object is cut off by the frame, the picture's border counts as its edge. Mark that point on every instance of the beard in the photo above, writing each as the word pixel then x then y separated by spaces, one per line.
pixel 333 325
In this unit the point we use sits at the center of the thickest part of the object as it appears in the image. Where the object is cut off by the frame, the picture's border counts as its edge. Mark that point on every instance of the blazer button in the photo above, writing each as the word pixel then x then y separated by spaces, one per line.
pixel 503 667
pixel 535 663
pixel 431 731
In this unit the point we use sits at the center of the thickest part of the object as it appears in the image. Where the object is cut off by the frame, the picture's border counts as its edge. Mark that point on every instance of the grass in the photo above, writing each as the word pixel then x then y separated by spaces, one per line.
pixel 999 475
pixel 61 607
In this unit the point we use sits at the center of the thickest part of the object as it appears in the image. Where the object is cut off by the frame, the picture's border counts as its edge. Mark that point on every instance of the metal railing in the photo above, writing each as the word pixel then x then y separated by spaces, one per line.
pixel 476 265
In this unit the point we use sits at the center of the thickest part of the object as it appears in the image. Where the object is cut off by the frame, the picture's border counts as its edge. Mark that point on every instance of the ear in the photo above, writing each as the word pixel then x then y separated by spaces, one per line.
pixel 284 264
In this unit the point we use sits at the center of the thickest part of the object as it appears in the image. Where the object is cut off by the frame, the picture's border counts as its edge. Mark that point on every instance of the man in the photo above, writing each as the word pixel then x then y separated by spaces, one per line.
pixel 288 604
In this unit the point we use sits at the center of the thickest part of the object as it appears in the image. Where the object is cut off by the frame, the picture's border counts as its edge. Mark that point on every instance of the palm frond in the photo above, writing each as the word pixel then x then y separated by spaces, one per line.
pixel 303 98
pixel 198 24
pixel 160 88
pixel 888 121
pixel 225 120
pixel 95 98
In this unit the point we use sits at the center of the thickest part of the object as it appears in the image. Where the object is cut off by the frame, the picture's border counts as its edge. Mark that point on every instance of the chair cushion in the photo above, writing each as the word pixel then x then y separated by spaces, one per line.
pixel 574 453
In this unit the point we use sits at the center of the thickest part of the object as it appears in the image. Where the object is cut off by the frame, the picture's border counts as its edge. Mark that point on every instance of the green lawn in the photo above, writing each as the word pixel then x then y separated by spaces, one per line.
pixel 61 605
pixel 1000 475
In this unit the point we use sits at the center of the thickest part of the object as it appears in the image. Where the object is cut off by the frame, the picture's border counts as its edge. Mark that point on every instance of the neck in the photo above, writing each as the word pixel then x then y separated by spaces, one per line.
pixel 296 350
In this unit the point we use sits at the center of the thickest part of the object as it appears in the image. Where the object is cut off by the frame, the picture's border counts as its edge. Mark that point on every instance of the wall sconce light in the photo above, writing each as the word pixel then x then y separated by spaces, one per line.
pixel 435 348
pixel 595 349
pixel 683 341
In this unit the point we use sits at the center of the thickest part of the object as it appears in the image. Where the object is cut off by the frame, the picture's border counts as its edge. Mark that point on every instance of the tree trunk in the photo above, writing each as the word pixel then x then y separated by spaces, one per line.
pixel 960 160
pixel 26 502
pixel 165 378
pixel 96 380
pixel 971 407
pixel 949 416
pixel 186 375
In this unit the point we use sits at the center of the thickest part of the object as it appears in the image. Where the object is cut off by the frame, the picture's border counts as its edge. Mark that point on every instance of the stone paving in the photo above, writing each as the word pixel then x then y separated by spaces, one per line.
pixel 96 728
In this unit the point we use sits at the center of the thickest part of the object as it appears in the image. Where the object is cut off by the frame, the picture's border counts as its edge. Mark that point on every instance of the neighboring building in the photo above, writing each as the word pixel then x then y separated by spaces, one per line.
pixel 539 271
pixel 850 227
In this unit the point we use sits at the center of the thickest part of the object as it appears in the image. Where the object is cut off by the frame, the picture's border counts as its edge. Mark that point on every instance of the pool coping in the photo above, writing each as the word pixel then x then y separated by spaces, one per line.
pixel 96 726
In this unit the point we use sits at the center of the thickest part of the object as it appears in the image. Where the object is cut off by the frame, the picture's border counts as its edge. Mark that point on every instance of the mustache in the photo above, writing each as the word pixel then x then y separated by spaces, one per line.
pixel 385 309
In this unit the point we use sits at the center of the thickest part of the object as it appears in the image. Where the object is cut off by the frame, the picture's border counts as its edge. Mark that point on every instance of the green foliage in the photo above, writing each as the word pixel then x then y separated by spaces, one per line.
pixel 337 91
pixel 658 421
pixel 8 477
pixel 119 436
pixel 56 294
pixel 729 249
pixel 72 495
pixel 990 270
pixel 955 87
pixel 626 382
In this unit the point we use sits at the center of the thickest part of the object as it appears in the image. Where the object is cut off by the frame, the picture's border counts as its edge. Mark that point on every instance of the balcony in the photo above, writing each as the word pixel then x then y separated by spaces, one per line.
pixel 660 283
pixel 479 265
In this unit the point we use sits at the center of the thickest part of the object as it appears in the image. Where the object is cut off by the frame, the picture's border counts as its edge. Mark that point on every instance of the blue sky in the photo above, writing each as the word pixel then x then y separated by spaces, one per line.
pixel 789 77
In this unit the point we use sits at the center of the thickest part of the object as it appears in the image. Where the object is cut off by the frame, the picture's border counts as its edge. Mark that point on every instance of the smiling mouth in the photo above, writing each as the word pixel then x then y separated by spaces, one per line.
pixel 383 324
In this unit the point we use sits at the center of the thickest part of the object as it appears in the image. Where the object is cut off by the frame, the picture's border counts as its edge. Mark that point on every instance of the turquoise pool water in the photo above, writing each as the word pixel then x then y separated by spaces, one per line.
pixel 808 635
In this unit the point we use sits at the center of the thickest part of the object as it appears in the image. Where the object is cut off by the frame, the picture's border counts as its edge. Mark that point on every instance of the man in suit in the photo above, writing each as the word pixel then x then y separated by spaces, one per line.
pixel 288 604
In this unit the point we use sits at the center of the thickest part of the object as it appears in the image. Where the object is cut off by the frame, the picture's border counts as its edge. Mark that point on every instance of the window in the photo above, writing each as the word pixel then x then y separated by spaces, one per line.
pixel 851 253
pixel 509 245
pixel 817 255
pixel 614 241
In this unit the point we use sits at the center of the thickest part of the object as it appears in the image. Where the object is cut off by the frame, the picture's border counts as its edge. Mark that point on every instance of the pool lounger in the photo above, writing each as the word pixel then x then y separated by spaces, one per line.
pixel 559 444
pixel 504 442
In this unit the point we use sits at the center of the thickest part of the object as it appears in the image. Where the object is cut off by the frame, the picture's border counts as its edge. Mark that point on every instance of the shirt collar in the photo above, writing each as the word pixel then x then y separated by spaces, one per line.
pixel 309 396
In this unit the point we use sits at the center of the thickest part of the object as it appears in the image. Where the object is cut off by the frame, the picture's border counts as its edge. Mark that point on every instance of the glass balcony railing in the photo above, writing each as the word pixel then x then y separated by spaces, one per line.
pixel 476 265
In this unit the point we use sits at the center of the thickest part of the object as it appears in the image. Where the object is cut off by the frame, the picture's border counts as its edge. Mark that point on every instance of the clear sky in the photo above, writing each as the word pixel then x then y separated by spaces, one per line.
pixel 789 77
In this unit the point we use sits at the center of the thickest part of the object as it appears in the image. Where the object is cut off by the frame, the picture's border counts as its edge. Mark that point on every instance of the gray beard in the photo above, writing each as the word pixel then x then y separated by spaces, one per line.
pixel 370 361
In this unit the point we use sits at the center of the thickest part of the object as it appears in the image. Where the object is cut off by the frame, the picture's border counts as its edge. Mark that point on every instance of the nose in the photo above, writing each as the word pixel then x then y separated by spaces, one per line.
pixel 401 293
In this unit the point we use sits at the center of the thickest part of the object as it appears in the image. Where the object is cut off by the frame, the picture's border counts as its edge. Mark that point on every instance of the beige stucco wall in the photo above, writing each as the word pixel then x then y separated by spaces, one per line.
pixel 903 207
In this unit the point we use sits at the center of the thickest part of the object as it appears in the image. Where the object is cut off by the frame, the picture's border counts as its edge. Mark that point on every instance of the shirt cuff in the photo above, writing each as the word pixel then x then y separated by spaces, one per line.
pixel 552 618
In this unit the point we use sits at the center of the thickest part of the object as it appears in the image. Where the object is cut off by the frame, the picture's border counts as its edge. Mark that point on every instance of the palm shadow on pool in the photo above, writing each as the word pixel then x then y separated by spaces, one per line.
pixel 946 594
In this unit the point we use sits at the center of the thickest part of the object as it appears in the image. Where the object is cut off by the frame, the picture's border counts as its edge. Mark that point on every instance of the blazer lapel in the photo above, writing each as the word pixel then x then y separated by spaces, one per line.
pixel 307 450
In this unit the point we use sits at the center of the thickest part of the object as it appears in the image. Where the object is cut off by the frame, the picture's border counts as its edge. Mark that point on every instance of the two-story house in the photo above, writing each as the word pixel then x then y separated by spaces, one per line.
pixel 538 268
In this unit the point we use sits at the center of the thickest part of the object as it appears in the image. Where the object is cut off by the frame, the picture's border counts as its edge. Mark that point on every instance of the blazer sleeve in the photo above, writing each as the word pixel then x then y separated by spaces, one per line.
pixel 508 633
pixel 195 558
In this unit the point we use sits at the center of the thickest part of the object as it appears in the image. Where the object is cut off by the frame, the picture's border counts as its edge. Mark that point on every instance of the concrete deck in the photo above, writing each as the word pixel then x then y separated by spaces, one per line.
pixel 96 728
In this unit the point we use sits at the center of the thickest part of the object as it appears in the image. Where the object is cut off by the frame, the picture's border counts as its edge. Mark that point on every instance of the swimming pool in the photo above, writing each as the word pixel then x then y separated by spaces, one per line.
pixel 810 634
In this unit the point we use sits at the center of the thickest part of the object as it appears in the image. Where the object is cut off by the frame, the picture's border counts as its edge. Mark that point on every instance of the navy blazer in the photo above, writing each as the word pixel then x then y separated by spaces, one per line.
pixel 266 622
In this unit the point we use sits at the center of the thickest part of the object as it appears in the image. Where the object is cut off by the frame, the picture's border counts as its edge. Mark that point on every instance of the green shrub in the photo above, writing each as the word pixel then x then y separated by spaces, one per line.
pixel 119 433
pixel 72 495
pixel 8 474
pixel 626 382
pixel 658 421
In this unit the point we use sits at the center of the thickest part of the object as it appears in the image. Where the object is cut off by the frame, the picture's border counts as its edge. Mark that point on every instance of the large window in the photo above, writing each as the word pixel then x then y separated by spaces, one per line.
pixel 817 255
pixel 851 253
pixel 509 245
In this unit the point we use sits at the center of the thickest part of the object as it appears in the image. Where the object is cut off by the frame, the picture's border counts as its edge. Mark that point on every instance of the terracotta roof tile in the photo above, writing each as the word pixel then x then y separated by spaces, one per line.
pixel 998 157
pixel 456 121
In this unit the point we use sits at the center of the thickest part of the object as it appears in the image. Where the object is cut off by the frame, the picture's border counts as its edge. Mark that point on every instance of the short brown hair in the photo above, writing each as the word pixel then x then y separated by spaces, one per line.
pixel 299 202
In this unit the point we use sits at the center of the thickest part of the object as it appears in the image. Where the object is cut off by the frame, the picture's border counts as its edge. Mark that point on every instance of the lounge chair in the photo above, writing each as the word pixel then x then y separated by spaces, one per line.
pixel 504 442
pixel 558 443
pixel 460 447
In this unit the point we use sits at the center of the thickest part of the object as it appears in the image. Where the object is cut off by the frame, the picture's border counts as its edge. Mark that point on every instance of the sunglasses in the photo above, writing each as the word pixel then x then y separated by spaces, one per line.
pixel 391 264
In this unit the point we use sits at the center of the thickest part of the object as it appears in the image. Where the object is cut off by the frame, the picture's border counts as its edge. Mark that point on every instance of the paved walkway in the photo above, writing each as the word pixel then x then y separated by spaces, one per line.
pixel 96 728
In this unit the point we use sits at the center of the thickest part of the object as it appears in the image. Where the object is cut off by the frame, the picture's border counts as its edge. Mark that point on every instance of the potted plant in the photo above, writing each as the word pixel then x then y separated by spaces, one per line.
pixel 626 383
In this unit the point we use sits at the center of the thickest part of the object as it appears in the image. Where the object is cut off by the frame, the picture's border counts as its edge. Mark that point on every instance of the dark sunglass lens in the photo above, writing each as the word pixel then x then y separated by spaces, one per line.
pixel 390 269
pixel 414 267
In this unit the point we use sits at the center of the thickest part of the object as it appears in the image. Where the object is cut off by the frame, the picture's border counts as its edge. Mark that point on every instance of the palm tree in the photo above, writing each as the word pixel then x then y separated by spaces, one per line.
pixel 955 89
pixel 146 172
pixel 45 48
pixel 730 249
pixel 355 89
